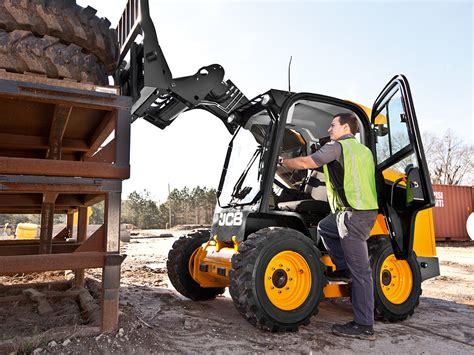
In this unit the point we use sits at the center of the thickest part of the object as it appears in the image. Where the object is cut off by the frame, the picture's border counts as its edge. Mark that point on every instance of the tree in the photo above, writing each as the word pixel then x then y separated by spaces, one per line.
pixel 97 216
pixel 450 160
pixel 188 206
pixel 140 210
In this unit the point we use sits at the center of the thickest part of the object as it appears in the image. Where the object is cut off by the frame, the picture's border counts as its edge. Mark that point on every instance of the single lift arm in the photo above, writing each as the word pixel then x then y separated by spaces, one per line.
pixel 157 96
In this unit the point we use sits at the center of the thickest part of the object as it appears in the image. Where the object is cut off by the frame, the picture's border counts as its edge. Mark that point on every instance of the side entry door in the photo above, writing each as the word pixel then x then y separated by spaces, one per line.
pixel 403 179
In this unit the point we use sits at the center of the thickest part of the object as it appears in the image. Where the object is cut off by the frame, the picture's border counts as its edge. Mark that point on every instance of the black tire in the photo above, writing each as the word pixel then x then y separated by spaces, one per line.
pixel 178 270
pixel 21 51
pixel 398 306
pixel 65 20
pixel 247 279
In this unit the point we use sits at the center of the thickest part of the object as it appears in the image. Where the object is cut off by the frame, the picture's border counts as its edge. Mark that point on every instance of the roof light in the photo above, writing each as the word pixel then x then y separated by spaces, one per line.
pixel 266 99
pixel 232 118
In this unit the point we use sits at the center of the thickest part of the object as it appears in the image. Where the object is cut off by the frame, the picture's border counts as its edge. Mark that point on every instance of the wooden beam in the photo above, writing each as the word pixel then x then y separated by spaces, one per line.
pixel 21 166
pixel 14 200
pixel 50 197
pixel 38 263
pixel 32 249
pixel 63 234
pixel 47 221
pixel 96 242
pixel 106 154
pixel 58 127
pixel 22 141
pixel 105 128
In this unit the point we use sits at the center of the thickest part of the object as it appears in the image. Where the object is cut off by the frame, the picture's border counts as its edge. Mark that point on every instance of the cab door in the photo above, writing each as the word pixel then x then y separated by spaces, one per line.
pixel 403 180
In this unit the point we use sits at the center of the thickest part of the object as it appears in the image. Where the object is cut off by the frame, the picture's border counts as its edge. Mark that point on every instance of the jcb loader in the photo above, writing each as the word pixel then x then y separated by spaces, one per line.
pixel 263 243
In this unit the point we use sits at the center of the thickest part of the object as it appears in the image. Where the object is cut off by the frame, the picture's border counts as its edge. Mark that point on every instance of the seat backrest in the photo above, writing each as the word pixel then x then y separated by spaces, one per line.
pixel 316 186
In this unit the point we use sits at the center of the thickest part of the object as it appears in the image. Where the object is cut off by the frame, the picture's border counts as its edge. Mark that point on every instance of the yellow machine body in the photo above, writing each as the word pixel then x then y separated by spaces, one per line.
pixel 210 264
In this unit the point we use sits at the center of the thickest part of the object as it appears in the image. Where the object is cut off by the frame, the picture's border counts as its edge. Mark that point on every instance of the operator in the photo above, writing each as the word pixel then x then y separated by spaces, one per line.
pixel 350 180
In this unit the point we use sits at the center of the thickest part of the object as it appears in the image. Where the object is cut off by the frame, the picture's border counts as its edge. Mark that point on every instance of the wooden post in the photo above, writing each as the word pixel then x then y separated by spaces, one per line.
pixel 81 237
pixel 113 260
pixel 47 221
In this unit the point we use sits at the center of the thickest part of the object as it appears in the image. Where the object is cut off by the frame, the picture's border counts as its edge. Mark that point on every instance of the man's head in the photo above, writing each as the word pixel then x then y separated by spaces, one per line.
pixel 342 124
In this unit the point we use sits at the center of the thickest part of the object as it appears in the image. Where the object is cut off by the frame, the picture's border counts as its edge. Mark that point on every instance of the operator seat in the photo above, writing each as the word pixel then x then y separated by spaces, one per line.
pixel 318 203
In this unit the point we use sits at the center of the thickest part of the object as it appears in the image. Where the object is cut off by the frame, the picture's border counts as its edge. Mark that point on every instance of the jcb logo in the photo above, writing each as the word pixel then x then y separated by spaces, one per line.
pixel 230 219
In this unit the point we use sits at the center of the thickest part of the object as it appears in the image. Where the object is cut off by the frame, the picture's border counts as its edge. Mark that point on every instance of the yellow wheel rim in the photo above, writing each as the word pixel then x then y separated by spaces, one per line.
pixel 191 261
pixel 396 279
pixel 287 280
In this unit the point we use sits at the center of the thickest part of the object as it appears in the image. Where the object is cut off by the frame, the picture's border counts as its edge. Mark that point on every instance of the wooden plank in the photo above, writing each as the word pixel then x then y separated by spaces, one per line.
pixel 96 242
pixel 44 187
pixel 63 234
pixel 22 141
pixel 40 93
pixel 79 274
pixel 105 128
pixel 39 263
pixel 58 127
pixel 56 82
pixel 24 166
pixel 106 154
pixel 46 229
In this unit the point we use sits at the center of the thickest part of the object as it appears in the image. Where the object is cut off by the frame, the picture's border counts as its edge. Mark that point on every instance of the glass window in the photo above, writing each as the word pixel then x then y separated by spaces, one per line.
pixel 391 128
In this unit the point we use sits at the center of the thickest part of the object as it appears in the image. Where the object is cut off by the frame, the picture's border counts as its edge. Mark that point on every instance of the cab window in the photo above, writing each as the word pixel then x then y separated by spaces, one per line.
pixel 393 134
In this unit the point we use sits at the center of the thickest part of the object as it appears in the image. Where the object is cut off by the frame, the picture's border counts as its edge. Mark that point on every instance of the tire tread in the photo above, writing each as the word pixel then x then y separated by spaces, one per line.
pixel 66 20
pixel 21 51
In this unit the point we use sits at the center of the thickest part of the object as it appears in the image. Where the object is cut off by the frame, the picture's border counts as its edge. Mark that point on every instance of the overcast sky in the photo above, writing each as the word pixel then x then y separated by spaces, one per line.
pixel 345 49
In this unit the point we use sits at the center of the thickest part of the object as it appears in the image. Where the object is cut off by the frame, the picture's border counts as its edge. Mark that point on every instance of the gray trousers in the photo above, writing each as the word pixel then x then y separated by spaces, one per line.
pixel 345 235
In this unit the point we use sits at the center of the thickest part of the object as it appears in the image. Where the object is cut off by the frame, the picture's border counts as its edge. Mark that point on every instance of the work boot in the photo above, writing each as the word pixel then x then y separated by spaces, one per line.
pixel 354 330
pixel 339 275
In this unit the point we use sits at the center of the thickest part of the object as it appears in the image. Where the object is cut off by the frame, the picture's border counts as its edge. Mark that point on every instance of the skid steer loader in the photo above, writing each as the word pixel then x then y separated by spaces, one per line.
pixel 263 243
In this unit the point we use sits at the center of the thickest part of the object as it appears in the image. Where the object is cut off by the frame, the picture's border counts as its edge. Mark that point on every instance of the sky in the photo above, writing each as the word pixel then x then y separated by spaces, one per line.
pixel 345 49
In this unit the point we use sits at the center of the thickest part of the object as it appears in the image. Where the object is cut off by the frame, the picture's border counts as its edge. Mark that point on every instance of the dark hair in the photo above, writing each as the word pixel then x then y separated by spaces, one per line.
pixel 350 119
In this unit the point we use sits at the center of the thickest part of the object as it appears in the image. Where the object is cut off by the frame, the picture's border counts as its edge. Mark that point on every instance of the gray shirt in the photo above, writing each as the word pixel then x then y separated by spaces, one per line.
pixel 329 152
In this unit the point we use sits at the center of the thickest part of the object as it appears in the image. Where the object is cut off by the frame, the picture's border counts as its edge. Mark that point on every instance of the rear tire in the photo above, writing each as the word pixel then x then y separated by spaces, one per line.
pixel 397 283
pixel 276 280
pixel 66 20
pixel 178 267
pixel 21 51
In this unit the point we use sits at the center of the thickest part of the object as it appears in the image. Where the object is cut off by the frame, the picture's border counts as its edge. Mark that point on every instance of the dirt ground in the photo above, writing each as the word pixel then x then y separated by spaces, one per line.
pixel 155 318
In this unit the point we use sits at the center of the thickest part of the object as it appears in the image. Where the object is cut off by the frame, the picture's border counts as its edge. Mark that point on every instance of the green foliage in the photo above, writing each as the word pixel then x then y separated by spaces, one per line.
pixel 140 210
pixel 97 216
pixel 188 206
pixel 14 219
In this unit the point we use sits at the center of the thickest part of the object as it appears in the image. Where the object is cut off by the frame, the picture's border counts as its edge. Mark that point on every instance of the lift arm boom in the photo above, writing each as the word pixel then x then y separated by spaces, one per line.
pixel 157 96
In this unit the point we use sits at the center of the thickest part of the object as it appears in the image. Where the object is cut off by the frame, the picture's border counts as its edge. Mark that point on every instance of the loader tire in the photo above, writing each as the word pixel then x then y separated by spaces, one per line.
pixel 21 51
pixel 397 283
pixel 66 20
pixel 276 279
pixel 178 265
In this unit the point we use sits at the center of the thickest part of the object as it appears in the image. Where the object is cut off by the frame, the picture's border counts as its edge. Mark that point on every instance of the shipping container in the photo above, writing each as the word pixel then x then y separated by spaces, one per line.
pixel 453 206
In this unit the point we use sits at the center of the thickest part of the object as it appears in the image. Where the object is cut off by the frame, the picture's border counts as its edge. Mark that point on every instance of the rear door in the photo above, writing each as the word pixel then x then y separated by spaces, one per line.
pixel 403 180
